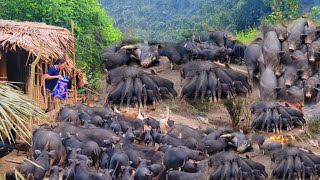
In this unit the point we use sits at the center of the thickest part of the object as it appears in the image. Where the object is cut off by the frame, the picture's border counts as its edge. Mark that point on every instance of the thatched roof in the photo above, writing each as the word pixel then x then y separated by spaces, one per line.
pixel 57 41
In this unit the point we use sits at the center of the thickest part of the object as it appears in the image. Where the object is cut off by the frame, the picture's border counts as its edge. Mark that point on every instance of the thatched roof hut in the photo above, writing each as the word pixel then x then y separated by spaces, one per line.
pixel 21 43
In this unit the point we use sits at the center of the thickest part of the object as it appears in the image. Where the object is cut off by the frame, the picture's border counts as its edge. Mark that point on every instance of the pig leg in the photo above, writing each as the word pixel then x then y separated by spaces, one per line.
pixel 145 96
pixel 214 94
pixel 268 125
pixel 219 90
pixel 129 96
pixel 216 174
pixel 227 170
pixel 235 170
pixel 256 123
pixel 264 123
pixel 210 99
pixel 173 92
pixel 297 166
pixel 303 171
pixel 276 122
pixel 278 170
pixel 250 75
pixel 281 124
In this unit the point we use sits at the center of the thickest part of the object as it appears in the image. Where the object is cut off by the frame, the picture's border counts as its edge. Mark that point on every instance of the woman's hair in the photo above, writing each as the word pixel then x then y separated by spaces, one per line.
pixel 59 61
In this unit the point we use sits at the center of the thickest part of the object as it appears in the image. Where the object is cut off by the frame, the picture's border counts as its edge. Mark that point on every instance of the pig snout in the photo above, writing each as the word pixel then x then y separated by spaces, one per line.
pixel 291 48
pixel 288 84
pixel 312 59
pixel 308 42
pixel 146 63
pixel 304 76
pixel 281 38
pixel 277 74
pixel 308 94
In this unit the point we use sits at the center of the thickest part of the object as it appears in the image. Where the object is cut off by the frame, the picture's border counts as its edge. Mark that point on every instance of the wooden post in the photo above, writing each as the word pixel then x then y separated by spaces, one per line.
pixel 74 87
pixel 32 71
pixel 3 67
pixel 72 33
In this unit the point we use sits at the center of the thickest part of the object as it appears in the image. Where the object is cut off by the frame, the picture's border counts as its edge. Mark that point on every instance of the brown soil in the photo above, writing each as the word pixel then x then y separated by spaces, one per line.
pixel 183 112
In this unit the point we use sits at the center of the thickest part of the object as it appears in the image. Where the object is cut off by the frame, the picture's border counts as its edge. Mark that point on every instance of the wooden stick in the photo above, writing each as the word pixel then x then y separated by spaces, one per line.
pixel 15 162
pixel 32 70
pixel 236 69
pixel 93 92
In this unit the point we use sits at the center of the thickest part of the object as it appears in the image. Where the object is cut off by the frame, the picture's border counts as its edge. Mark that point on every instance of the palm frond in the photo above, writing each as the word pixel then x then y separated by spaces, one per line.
pixel 16 110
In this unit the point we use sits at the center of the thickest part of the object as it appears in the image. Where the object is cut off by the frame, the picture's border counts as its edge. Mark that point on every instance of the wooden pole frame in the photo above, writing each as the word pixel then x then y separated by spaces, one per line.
pixel 32 71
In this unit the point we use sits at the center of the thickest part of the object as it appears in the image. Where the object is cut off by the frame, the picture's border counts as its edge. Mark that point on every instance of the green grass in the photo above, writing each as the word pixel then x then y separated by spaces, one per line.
pixel 193 108
pixel 314 126
pixel 248 35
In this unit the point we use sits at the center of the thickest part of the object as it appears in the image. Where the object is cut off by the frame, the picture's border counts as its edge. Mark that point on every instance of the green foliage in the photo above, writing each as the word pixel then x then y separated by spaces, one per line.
pixel 234 107
pixel 16 111
pixel 172 20
pixel 314 125
pixel 282 10
pixel 248 35
pixel 92 26
pixel 315 12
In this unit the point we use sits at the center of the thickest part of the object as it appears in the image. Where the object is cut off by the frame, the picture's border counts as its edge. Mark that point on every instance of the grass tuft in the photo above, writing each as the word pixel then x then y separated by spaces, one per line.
pixel 248 35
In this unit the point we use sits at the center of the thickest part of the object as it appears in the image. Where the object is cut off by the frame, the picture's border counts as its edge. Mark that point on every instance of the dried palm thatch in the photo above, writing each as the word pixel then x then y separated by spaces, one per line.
pixel 57 41
pixel 16 110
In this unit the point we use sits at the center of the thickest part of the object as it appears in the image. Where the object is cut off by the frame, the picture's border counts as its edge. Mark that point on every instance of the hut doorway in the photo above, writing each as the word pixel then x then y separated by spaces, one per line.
pixel 17 67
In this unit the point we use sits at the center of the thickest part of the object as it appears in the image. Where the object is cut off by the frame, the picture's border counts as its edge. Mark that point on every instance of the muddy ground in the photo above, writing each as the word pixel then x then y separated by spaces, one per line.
pixel 188 113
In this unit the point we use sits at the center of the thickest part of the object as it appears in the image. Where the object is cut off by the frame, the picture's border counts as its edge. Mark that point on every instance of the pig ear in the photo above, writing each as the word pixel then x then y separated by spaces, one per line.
pixel 153 72
pixel 303 36
pixel 54 125
pixel 289 92
pixel 52 153
pixel 77 161
pixel 38 152
pixel 35 127
pixel 227 65
pixel 60 169
pixel 318 31
pixel 78 150
pixel 281 53
pixel 317 89
pixel 69 149
pixel 300 71
pixel 293 57
pixel 68 135
pixel 70 161
pixel 123 168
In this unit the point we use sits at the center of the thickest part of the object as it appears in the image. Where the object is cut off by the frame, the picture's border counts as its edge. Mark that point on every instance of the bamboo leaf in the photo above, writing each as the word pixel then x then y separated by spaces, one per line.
pixel 16 110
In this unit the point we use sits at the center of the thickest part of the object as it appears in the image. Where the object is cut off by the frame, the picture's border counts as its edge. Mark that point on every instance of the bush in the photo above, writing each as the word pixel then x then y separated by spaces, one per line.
pixel 248 35
pixel 314 125
pixel 234 107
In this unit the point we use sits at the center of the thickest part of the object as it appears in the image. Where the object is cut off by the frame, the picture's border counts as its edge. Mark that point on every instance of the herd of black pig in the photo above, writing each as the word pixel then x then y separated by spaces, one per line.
pixel 97 143
pixel 199 79
pixel 215 45
pixel 287 59
pixel 288 62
